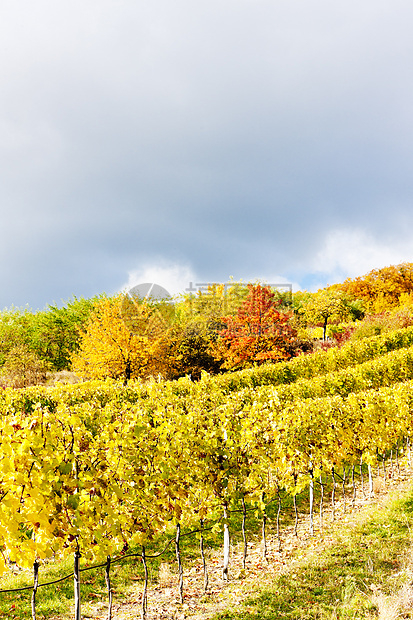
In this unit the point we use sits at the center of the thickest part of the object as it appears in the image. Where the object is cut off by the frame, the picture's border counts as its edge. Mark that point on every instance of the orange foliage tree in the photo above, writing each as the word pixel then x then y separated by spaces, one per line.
pixel 257 333
pixel 381 289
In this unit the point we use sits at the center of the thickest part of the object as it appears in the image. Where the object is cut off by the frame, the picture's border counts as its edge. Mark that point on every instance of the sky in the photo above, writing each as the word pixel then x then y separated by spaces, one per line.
pixel 193 141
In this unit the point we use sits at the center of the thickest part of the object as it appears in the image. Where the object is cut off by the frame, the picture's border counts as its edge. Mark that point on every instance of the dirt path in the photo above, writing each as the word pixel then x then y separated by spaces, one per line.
pixel 163 596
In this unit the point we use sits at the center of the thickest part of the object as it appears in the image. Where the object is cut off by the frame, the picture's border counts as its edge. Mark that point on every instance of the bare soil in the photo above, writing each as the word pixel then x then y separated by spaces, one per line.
pixel 163 595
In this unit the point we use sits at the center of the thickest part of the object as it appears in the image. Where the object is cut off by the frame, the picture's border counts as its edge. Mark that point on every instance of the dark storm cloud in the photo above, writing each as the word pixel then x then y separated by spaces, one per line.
pixel 253 138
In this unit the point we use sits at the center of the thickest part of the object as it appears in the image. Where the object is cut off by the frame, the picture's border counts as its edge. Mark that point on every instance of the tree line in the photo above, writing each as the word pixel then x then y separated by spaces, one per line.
pixel 218 330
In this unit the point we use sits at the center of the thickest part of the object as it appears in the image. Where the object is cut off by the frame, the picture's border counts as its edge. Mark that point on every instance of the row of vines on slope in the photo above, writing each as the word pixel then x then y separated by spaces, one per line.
pixel 308 366
pixel 302 377
pixel 99 476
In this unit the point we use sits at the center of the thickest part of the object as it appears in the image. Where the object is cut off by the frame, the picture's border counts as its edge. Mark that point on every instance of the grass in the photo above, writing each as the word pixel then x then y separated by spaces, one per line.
pixel 57 600
pixel 365 573
pixel 347 578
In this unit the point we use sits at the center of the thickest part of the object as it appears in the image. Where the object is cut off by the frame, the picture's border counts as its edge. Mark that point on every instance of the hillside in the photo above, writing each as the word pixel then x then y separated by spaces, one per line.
pixel 105 468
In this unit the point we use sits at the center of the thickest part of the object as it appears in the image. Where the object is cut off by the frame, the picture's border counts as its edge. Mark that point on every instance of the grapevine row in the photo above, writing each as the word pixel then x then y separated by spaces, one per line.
pixel 97 476
pixel 310 368
pixel 322 362
pixel 306 367
pixel 382 371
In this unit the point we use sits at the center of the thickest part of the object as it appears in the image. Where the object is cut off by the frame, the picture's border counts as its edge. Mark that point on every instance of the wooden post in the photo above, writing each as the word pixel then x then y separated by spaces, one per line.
pixel 384 466
pixel 226 545
pixel 353 481
pixel 244 536
pixel 397 458
pixel 264 525
pixel 311 502
pixel 333 494
pixel 321 500
pixel 77 586
pixel 107 579
pixel 278 520
pixel 361 475
pixel 145 585
pixel 295 505
pixel 35 586
pixel 201 547
pixel 180 569
pixel 370 480
pixel 296 515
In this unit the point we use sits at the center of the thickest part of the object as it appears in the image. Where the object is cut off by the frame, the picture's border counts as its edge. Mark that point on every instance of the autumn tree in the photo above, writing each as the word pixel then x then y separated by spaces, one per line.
pixel 108 347
pixel 257 333
pixel 324 306
pixel 187 348
pixel 381 289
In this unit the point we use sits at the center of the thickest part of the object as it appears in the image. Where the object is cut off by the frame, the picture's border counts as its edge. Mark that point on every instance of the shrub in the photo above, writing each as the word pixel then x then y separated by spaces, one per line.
pixel 23 368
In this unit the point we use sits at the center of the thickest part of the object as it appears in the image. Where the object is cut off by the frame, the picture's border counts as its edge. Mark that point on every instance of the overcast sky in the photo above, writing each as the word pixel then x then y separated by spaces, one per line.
pixel 182 140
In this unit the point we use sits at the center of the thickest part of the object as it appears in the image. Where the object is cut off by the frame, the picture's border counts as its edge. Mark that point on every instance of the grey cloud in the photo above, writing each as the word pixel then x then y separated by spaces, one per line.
pixel 222 134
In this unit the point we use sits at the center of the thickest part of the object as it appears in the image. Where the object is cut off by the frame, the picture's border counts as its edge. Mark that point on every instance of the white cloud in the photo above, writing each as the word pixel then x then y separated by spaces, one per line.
pixel 272 279
pixel 351 253
pixel 175 278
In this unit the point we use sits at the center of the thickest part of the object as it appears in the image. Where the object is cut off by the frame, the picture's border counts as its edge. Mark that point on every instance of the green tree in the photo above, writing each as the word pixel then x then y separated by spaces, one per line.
pixel 52 335
pixel 55 333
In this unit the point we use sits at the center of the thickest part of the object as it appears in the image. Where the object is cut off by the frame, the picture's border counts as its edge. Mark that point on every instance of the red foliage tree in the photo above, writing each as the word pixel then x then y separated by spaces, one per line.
pixel 257 333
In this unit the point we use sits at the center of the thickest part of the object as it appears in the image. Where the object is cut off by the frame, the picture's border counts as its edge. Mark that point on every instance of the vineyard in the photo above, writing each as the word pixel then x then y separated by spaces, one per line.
pixel 100 469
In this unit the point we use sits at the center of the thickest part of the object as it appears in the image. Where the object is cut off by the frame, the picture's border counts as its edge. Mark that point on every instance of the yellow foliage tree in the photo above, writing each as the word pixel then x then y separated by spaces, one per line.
pixel 381 289
pixel 322 307
pixel 108 347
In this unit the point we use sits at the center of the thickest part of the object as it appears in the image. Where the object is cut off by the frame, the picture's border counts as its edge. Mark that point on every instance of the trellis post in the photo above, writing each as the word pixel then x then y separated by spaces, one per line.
pixel 76 572
pixel 109 587
pixel 35 586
